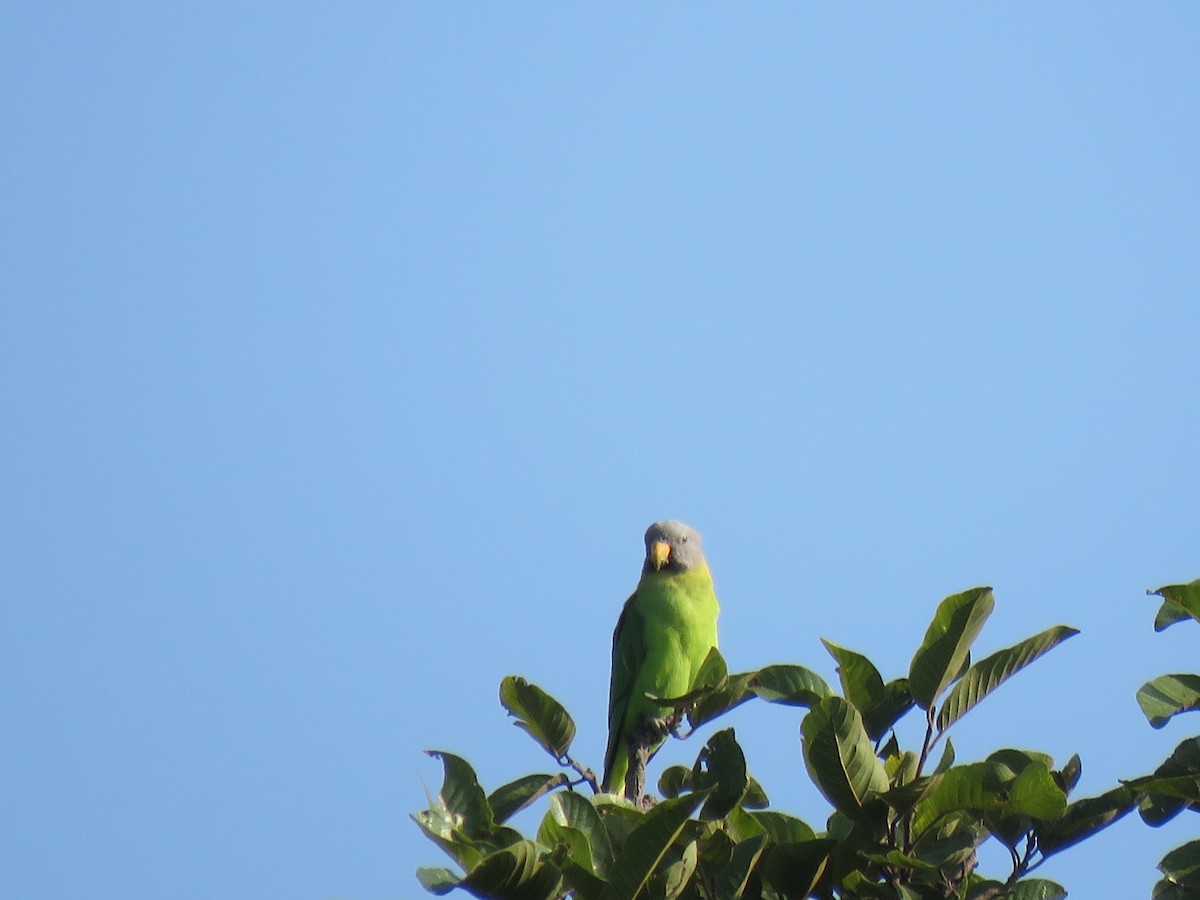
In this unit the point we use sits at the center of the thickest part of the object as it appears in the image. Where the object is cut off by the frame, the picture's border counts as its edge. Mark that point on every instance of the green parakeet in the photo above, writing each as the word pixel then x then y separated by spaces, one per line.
pixel 663 636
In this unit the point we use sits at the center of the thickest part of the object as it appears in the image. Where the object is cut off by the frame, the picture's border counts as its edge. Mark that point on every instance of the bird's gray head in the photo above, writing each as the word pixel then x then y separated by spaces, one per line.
pixel 672 546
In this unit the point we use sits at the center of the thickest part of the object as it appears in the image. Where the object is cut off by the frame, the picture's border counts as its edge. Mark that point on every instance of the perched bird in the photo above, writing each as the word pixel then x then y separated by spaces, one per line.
pixel 663 636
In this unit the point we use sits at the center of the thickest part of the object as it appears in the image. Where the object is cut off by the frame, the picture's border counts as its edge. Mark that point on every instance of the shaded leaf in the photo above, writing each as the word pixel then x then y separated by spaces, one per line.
pixel 720 770
pixel 571 810
pixel 677 875
pixel 1167 696
pixel 462 796
pixel 674 780
pixel 1157 809
pixel 514 873
pixel 647 844
pixel 709 703
pixel 1068 776
pixel 731 879
pixel 516 795
pixel 1180 601
pixel 789 685
pixel 988 674
pixel 896 701
pixel 782 828
pixel 538 714
pixel 795 869
pixel 839 755
pixel 1084 818
pixel 1182 866
pixel 947 644
pixel 947 759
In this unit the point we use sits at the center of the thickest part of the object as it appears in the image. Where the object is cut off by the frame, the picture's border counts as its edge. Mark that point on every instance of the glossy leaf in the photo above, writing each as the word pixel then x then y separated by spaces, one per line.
pixel 789 685
pixel 1168 696
pixel 839 755
pixel 647 844
pixel 988 674
pixel 1180 601
pixel 947 644
pixel 514 873
pixel 538 714
pixel 510 798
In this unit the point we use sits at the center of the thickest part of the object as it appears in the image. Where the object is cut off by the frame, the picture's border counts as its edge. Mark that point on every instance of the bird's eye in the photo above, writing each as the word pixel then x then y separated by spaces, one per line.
pixel 685 538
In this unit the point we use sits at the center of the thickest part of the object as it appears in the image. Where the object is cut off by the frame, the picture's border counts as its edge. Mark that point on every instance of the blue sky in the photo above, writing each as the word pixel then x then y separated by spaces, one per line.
pixel 347 353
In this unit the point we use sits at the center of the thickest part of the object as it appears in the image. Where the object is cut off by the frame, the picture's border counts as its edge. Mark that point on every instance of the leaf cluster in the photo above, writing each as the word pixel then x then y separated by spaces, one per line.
pixel 1175 785
pixel 901 824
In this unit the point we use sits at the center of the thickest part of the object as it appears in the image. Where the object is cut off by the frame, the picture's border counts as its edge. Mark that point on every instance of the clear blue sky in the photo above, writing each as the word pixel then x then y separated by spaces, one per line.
pixel 348 350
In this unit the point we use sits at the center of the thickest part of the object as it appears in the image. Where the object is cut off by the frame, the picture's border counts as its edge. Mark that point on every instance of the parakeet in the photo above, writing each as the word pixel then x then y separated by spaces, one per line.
pixel 662 637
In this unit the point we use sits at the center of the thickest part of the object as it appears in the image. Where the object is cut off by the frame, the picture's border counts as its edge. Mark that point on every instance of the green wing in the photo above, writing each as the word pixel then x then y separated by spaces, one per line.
pixel 629 656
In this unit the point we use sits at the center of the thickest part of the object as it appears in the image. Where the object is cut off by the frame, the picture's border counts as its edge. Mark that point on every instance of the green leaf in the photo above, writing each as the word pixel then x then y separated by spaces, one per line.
pixel 782 828
pixel 947 644
pixel 677 875
pixel 1036 794
pixel 437 881
pixel 1035 889
pixel 570 810
pixel 991 786
pixel 947 759
pixel 647 844
pixel 462 795
pixel 731 880
pixel 511 798
pixel 1167 696
pixel 897 700
pixel 1182 866
pixel 988 674
pixel 789 685
pixel 1180 601
pixel 861 682
pixel 1084 818
pixel 839 755
pixel 713 670
pixel 720 770
pixel 711 702
pixel 514 873
pixel 538 714
pixel 674 780
pixel 1068 776
pixel 795 869
pixel 1157 808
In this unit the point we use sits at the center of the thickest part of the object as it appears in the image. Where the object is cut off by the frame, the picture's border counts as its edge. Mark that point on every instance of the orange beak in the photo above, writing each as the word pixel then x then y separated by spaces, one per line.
pixel 660 553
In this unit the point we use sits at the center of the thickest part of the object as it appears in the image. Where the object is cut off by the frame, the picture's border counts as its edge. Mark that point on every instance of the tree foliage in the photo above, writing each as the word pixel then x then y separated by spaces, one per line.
pixel 905 822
